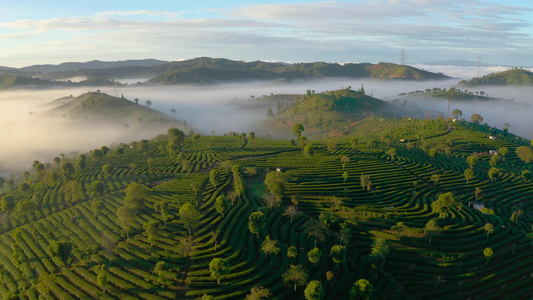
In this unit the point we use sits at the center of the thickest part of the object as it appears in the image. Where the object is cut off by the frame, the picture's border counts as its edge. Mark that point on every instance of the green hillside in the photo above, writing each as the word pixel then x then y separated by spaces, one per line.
pixel 451 94
pixel 100 106
pixel 330 113
pixel 224 216
pixel 208 70
pixel 394 71
pixel 519 77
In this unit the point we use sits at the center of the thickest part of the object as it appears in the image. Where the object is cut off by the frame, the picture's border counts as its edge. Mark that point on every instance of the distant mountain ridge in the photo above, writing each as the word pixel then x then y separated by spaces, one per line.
pixel 205 70
pixel 94 64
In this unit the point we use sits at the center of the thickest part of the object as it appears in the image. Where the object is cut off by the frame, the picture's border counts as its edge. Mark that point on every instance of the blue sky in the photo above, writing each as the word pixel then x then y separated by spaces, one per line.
pixel 38 32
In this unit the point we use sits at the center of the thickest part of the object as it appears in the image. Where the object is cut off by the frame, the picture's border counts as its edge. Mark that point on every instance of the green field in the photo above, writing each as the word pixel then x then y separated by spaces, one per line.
pixel 64 236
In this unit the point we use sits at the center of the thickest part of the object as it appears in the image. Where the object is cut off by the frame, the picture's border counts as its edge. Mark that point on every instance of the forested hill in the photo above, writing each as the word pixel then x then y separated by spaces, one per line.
pixel 518 77
pixel 205 70
pixel 95 105
pixel 331 113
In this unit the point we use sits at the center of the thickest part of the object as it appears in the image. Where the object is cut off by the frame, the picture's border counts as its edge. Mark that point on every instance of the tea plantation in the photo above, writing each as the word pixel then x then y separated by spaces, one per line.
pixel 385 213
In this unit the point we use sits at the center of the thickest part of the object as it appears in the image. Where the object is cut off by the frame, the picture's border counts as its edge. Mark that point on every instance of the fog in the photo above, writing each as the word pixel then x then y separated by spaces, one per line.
pixel 513 106
pixel 220 107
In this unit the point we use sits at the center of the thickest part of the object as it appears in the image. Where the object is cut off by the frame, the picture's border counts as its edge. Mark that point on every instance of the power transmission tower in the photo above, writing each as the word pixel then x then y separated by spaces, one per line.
pixel 402 57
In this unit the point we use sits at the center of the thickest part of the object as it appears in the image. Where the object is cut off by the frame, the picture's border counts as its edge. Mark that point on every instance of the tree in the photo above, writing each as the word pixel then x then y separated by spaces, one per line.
pixel 469 175
pixel 219 267
pixel 365 179
pixel 527 175
pixel 444 204
pixel 488 253
pixel 101 279
pixel 435 178
pixel 489 228
pixel 332 145
pixel 97 155
pixel 477 191
pixel 503 151
pixel 175 138
pixel 344 160
pixel 346 234
pixel 362 289
pixel 456 113
pixel 314 255
pixel 189 216
pixel 471 161
pixel 380 249
pixel 268 246
pixel 432 228
pixel 135 196
pixel 314 290
pixel 308 151
pixel 7 203
pixel 292 252
pixel 222 204
pixel 493 173
pixel 214 177
pixel 296 276
pixel 108 243
pixel 525 154
pixel 256 220
pixel 476 118
pixel 494 160
pixel 392 153
pixel 195 186
pixel 315 228
pixel 149 230
pixel 125 217
pixel 186 246
pixel 338 254
pixel 345 175
pixel 297 130
pixel 258 293
pixel 276 183
pixel 148 103
pixel 68 171
pixel 97 188
pixel 61 250
pixel 291 211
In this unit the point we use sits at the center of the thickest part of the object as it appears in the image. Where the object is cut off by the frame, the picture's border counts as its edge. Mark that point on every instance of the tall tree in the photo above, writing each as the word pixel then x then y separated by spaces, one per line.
pixel 125 217
pixel 295 276
pixel 314 290
pixel 489 228
pixel 222 204
pixel 444 204
pixel 476 118
pixel 258 293
pixel 269 246
pixel 456 113
pixel 291 211
pixel 101 279
pixel 338 254
pixel 432 228
pixel 362 289
pixel 344 160
pixel 469 175
pixel 135 196
pixel 219 267
pixel 256 221
pixel 61 250
pixel 314 255
pixel 190 216
pixel 297 130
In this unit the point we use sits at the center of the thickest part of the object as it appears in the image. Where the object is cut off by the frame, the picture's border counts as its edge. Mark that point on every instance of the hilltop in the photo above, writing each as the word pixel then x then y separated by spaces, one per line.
pixel 517 77
pixel 330 113
pixel 451 94
pixel 98 106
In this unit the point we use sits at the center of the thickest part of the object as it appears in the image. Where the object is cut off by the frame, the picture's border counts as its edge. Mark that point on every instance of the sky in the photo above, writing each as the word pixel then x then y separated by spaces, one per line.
pixel 499 32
